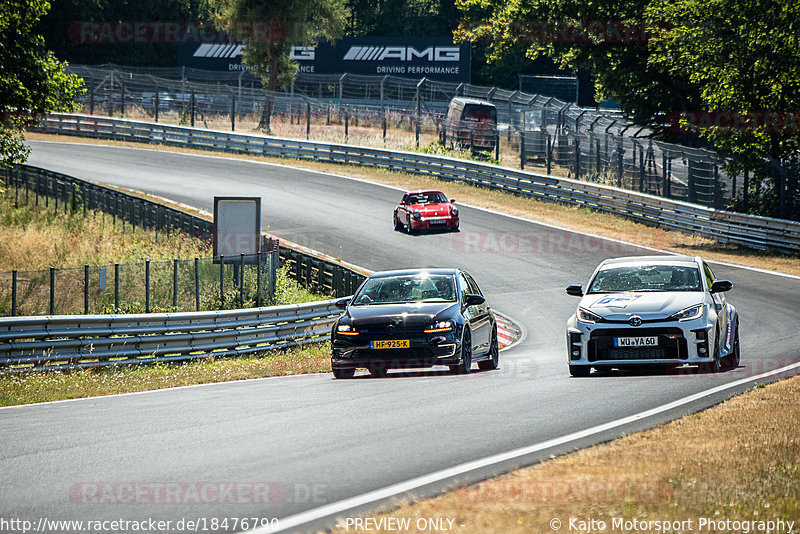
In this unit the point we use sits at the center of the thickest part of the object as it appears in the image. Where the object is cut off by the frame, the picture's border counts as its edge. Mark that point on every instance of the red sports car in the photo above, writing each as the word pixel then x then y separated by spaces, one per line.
pixel 425 210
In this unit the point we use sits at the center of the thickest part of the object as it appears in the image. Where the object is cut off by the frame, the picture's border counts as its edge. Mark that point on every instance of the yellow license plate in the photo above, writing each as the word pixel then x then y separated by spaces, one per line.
pixel 390 344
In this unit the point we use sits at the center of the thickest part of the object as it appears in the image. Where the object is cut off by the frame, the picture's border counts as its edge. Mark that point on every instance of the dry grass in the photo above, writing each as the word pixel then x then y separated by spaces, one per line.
pixel 49 386
pixel 707 465
pixel 579 219
pixel 33 238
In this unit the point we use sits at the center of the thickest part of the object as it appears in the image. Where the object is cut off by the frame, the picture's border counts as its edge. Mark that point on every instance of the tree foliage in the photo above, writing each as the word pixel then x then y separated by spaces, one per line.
pixel 270 28
pixel 32 81
pixel 732 67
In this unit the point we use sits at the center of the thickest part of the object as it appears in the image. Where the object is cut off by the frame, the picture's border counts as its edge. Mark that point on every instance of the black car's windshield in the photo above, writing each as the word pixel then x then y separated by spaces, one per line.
pixel 646 278
pixel 399 289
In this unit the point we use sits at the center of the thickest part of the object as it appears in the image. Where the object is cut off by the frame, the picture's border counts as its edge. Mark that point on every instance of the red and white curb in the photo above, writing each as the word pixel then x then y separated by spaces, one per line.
pixel 508 332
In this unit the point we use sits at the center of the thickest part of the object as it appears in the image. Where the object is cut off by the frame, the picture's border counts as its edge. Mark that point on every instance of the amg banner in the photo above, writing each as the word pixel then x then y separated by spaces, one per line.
pixel 414 57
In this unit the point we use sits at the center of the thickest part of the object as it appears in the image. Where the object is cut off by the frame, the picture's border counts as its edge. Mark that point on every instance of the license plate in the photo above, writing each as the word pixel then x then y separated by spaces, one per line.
pixel 390 344
pixel 650 341
pixel 438 221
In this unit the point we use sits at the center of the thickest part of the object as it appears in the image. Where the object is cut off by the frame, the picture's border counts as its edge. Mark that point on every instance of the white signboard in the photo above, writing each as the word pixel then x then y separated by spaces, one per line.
pixel 237 226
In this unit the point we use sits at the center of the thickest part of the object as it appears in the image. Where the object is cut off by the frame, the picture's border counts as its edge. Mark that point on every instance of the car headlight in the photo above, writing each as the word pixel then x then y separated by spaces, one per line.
pixel 346 330
pixel 454 212
pixel 586 316
pixel 441 326
pixel 686 314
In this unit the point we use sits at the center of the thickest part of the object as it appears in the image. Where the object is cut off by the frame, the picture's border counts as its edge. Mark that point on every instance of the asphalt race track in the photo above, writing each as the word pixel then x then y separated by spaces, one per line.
pixel 314 440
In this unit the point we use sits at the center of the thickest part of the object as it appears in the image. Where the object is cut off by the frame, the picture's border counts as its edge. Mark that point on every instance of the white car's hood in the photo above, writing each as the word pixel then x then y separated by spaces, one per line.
pixel 651 304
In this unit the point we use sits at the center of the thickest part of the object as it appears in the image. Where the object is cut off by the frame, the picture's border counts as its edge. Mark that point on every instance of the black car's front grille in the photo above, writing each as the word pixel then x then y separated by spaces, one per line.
pixel 671 345
pixel 416 353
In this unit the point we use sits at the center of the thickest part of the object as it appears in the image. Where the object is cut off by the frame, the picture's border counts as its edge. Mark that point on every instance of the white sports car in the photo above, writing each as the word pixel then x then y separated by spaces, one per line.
pixel 652 310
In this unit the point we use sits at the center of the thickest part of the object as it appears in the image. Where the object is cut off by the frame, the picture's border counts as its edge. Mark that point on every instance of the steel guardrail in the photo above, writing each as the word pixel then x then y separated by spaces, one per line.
pixel 80 341
pixel 723 226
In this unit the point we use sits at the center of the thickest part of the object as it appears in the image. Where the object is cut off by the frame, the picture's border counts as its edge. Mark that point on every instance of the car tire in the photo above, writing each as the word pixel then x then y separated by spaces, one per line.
pixel 377 371
pixel 494 355
pixel 579 371
pixel 465 365
pixel 343 373
pixel 732 361
pixel 715 366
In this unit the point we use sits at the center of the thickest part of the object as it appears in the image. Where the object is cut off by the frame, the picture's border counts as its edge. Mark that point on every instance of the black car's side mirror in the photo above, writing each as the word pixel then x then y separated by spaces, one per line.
pixel 474 300
pixel 575 290
pixel 720 286
pixel 342 303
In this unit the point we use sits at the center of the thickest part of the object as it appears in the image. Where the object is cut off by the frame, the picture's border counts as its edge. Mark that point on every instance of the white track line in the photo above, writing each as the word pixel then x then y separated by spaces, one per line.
pixel 487 210
pixel 302 518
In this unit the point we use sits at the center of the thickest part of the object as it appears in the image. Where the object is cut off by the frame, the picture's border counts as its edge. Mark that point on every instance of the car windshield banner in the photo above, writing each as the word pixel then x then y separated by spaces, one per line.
pixel 436 58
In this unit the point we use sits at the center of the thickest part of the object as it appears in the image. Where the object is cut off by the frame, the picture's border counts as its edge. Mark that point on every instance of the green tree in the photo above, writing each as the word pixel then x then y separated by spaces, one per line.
pixel 662 58
pixel 32 81
pixel 270 28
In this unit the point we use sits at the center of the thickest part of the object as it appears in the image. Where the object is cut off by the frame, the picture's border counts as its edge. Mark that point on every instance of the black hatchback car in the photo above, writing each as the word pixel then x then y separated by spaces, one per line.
pixel 412 319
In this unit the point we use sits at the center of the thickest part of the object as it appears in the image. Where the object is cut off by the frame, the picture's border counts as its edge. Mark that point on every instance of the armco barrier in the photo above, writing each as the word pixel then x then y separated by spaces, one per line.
pixel 727 227
pixel 78 341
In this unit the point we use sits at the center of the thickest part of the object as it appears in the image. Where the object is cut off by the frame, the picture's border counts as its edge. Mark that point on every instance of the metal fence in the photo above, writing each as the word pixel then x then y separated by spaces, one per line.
pixel 67 342
pixel 728 227
pixel 582 143
pixel 142 287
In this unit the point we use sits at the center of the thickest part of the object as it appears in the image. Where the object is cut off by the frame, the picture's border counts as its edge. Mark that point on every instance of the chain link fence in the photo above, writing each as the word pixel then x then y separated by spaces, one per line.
pixel 533 130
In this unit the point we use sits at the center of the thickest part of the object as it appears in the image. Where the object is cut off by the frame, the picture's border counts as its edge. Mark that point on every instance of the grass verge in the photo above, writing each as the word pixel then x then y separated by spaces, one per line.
pixel 738 461
pixel 50 386
pixel 579 219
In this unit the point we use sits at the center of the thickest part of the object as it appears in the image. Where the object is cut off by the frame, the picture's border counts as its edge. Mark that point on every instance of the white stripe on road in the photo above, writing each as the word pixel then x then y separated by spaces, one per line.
pixel 394 490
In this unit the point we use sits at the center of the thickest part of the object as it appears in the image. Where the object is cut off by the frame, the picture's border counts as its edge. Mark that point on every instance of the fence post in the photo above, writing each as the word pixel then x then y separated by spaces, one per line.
pixel 156 104
pixel 258 280
pixel 691 182
pixel 241 279
pixel 175 284
pixel 52 291
pixel 233 112
pixel 497 146
pixel 147 286
pixel 197 284
pixel 522 150
pixel 346 125
pixel 192 104
pixel 641 170
pixel 222 280
pixel 577 145
pixel 116 287
pixel 91 101
pixel 13 293
pixel 549 147
pixel 308 120
pixel 664 174
pixel 86 290
pixel 122 106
